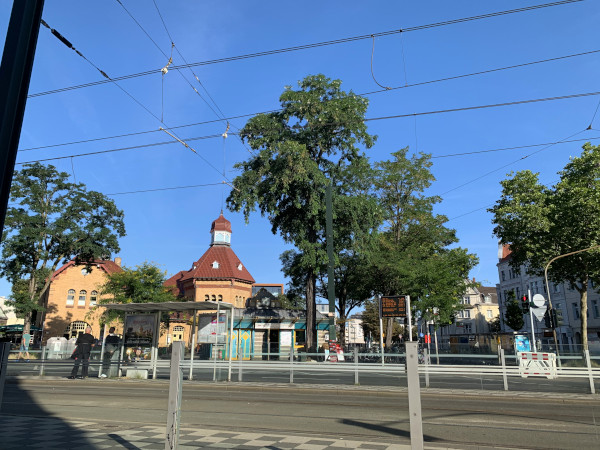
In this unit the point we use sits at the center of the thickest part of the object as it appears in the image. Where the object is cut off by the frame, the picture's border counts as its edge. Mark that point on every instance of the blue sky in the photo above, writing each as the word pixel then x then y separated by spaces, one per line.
pixel 171 227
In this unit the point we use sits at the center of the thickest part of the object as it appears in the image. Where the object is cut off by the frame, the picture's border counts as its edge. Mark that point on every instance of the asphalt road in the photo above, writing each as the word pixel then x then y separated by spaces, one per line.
pixel 376 415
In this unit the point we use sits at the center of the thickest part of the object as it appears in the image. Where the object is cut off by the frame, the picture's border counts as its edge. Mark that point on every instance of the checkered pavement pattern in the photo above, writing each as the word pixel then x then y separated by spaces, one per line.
pixel 51 433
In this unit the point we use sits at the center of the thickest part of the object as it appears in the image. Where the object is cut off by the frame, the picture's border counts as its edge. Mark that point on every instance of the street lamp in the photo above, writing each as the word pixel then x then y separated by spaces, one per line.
pixel 548 287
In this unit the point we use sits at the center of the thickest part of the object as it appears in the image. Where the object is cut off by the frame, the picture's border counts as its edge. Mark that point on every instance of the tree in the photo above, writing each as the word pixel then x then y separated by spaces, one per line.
pixel 311 142
pixel 514 314
pixel 370 323
pixel 53 222
pixel 142 284
pixel 540 223
pixel 412 254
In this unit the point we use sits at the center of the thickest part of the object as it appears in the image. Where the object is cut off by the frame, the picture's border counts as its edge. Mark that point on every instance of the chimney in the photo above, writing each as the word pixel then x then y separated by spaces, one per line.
pixel 118 261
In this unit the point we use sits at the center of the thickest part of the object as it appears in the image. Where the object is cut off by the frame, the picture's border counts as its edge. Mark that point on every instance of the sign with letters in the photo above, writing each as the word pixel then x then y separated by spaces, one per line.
pixel 393 305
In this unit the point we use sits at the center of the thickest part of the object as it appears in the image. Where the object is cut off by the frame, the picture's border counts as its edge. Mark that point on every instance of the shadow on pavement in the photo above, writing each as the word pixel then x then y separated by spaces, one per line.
pixel 385 429
pixel 25 424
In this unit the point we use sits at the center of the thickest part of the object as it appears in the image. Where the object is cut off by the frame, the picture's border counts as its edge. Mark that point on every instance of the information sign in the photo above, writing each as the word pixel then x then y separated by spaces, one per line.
pixel 393 306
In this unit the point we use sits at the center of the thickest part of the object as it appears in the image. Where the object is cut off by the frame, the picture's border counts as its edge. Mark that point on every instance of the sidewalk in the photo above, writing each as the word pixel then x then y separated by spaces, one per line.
pixel 29 432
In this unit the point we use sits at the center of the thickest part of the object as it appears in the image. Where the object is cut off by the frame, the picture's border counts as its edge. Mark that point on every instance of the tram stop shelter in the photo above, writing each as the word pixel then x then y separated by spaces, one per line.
pixel 150 327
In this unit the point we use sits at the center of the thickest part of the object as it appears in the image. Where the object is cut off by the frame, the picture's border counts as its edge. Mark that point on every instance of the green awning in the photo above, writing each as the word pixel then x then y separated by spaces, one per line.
pixel 16 328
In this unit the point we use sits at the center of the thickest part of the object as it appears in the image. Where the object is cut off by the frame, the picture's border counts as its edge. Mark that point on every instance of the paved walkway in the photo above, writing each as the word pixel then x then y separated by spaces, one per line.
pixel 51 433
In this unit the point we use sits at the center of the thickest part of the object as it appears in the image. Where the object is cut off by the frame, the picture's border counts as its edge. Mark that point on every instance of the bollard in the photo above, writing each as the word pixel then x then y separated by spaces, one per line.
pixel 426 362
pixel 174 403
pixel 43 357
pixel 503 361
pixel 414 396
pixel 292 364
pixel 591 375
pixel 356 366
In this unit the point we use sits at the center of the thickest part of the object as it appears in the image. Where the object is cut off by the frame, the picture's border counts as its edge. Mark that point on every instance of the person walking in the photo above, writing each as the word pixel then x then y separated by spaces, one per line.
pixel 84 343
pixel 111 345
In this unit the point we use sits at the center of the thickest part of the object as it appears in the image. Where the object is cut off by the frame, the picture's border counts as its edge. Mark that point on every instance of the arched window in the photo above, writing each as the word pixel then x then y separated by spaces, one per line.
pixel 75 329
pixel 71 297
pixel 82 297
pixel 206 297
pixel 93 298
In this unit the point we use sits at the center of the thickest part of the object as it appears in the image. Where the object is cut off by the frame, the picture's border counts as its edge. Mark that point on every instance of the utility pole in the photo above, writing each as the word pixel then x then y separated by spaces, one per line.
pixel 331 263
pixel 15 74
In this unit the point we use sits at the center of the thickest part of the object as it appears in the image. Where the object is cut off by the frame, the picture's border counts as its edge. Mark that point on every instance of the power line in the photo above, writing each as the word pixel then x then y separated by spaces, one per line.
pixel 368 119
pixel 167 188
pixel 511 148
pixel 69 45
pixel 317 44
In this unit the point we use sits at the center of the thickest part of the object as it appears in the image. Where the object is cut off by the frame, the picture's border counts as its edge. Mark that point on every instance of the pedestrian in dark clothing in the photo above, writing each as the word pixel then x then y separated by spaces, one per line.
pixel 111 345
pixel 84 343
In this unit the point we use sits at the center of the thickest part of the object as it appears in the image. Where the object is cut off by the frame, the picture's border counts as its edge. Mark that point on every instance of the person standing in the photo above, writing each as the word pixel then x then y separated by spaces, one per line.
pixel 111 345
pixel 24 349
pixel 84 343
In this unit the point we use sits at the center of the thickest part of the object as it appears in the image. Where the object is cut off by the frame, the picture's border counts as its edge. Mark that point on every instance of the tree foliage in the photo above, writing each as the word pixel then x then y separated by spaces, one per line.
pixel 540 223
pixel 141 284
pixel 412 255
pixel 52 222
pixel 314 140
pixel 514 314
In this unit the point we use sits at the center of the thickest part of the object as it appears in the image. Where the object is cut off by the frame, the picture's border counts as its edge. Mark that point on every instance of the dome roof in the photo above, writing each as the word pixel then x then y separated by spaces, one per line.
pixel 221 224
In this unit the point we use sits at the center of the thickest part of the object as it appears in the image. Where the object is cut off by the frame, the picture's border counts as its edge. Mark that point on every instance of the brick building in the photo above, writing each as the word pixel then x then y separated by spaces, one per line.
pixel 73 292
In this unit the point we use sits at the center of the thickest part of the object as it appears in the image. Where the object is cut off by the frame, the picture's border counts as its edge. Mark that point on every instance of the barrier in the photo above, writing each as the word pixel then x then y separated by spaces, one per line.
pixel 537 364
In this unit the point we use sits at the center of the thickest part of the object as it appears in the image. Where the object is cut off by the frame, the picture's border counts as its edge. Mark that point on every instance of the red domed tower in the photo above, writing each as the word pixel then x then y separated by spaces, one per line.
pixel 218 275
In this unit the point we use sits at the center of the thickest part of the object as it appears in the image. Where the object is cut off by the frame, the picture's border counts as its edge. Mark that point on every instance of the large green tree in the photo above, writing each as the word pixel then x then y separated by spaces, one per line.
pixel 540 223
pixel 140 284
pixel 50 222
pixel 412 255
pixel 514 313
pixel 314 140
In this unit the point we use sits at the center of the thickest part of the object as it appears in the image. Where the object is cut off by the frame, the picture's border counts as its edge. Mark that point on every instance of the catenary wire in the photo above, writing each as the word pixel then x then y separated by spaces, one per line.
pixel 69 45
pixel 407 115
pixel 317 44
pixel 166 189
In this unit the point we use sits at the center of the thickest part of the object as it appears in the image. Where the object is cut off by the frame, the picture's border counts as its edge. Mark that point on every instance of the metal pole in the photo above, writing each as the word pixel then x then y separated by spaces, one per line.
pixel 174 403
pixel 381 338
pixel 292 364
pixel 4 352
pixel 409 315
pixel 414 396
pixel 437 355
pixel 531 319
pixel 230 346
pixel 15 74
pixel 43 354
pixel 155 345
pixel 190 376
pixel 356 382
pixel 503 360
pixel 591 375
pixel 331 261
pixel 214 352
pixel 426 362
pixel 102 352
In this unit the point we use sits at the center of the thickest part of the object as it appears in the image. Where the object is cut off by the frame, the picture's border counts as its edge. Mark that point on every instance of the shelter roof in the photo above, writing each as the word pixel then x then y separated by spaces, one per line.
pixel 167 306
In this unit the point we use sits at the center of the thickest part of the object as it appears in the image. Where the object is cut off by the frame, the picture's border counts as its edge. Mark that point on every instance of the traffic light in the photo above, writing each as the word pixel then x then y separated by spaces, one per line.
pixel 525 304
pixel 557 318
pixel 548 318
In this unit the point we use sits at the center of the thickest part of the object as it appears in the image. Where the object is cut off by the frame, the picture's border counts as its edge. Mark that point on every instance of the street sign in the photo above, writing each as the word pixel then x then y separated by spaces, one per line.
pixel 538 300
pixel 539 313
pixel 393 306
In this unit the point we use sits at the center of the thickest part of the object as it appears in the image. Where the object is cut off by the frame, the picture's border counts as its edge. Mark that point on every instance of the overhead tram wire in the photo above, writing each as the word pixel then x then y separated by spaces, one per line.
pixel 373 118
pixel 229 119
pixel 68 44
pixel 318 44
pixel 177 68
pixel 167 188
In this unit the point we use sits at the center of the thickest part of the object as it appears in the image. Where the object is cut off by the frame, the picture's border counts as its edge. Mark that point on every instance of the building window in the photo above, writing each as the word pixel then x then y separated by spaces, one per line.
pixel 518 292
pixel 467 328
pixel 467 314
pixel 82 297
pixel 71 297
pixel 93 298
pixel 503 275
pixel 487 299
pixel 489 313
pixel 465 300
pixel 556 288
pixel 75 329
pixel 215 264
pixel 595 309
pixel 575 307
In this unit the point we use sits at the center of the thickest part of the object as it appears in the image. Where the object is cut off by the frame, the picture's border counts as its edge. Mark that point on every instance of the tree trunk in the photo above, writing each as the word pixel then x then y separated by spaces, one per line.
pixel 27 318
pixel 311 314
pixel 389 333
pixel 583 302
